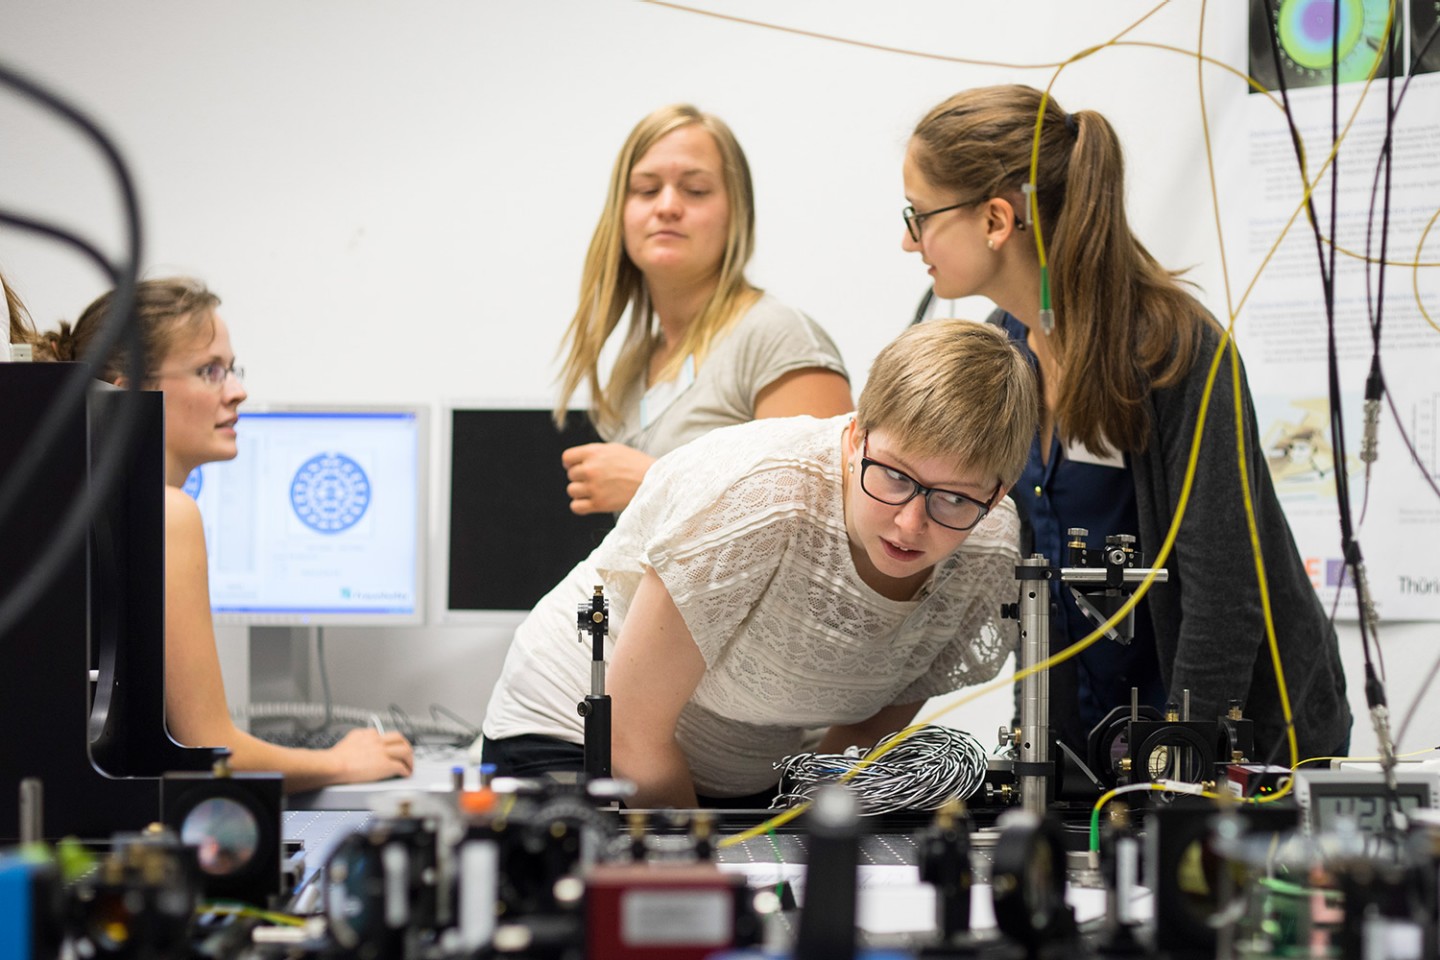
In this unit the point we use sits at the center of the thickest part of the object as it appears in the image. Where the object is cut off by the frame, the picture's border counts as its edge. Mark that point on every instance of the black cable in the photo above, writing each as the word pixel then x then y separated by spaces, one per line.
pixel 1375 307
pixel 1349 546
pixel 117 322
pixel 22 222
pixel 1375 383
pixel 45 436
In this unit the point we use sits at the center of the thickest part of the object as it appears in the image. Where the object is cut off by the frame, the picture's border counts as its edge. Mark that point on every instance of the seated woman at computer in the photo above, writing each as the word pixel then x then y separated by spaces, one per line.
pixel 790 583
pixel 703 348
pixel 193 364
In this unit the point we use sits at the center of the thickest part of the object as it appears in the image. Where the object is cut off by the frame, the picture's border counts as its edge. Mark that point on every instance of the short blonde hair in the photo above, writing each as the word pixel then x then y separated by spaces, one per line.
pixel 956 390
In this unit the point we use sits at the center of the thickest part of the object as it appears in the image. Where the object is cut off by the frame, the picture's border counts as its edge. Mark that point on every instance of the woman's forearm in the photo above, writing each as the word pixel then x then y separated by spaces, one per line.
pixel 660 773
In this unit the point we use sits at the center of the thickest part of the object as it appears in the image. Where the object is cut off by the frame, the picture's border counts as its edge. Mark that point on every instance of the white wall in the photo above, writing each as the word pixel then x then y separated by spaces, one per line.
pixel 394 199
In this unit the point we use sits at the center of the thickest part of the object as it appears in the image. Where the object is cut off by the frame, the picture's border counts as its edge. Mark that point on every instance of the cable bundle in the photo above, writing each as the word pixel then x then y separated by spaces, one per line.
pixel 926 767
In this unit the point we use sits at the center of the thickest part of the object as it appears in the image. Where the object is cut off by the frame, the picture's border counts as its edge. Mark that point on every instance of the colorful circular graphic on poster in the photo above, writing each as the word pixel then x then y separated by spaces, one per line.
pixel 330 492
pixel 1309 35
pixel 1308 30
pixel 194 483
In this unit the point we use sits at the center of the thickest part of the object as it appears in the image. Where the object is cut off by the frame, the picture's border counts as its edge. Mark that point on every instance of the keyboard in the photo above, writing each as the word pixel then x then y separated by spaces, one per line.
pixel 321 739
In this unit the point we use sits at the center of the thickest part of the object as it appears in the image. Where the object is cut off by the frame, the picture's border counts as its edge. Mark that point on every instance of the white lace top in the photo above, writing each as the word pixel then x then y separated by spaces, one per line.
pixel 746 528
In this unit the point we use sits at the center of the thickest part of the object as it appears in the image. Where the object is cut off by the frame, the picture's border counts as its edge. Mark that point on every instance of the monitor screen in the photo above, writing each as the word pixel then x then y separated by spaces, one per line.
pixel 320 519
pixel 510 535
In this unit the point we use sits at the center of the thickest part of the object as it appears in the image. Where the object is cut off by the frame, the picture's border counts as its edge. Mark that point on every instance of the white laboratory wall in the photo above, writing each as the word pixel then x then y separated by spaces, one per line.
pixel 394 199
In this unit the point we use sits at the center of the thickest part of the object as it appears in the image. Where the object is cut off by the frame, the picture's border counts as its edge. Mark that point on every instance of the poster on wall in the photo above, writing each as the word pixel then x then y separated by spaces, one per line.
pixel 1282 326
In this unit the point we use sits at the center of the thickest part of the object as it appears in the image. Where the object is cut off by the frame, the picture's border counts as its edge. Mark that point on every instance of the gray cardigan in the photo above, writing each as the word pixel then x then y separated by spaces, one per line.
pixel 1209 624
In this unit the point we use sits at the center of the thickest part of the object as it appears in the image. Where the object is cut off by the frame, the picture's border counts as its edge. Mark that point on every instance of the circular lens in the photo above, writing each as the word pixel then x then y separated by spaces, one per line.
pixel 224 833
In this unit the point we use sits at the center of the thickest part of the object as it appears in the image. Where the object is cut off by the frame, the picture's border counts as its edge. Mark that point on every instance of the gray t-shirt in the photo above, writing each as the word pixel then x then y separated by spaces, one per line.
pixel 769 341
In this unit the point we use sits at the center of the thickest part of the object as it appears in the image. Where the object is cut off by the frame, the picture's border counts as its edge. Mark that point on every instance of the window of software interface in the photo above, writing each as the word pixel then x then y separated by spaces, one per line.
pixel 318 515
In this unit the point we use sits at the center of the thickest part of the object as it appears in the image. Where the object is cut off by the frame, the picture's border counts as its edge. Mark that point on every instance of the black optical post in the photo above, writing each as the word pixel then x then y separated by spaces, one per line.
pixel 594 618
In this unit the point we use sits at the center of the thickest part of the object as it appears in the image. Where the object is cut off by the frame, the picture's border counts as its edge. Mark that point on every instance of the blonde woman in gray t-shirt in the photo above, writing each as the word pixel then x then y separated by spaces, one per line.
pixel 703 348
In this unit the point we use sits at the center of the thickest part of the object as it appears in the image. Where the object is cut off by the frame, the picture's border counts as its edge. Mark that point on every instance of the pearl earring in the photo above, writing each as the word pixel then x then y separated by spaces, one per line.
pixel 852 468
pixel 990 244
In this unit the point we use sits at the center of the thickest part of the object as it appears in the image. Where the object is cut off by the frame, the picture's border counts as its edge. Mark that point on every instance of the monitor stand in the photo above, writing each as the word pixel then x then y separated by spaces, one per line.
pixel 97 754
pixel 283 664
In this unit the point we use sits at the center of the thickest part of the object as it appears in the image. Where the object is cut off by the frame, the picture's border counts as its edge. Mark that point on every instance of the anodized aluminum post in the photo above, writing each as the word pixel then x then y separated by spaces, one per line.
pixel 593 618
pixel 1034 574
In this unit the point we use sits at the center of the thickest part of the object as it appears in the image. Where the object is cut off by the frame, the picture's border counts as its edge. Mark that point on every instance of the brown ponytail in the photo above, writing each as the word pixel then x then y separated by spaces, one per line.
pixel 169 311
pixel 1123 323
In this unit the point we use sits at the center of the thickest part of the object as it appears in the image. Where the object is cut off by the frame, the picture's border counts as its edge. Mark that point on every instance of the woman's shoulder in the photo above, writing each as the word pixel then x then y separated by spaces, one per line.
pixel 181 510
pixel 1207 337
pixel 184 532
pixel 785 436
pixel 770 316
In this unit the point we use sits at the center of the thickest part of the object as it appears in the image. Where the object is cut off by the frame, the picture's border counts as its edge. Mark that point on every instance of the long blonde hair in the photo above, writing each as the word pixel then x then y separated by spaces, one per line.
pixel 612 284
pixel 1123 324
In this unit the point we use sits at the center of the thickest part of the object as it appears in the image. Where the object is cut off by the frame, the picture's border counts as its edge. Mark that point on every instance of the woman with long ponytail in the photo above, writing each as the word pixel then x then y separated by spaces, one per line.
pixel 1122 350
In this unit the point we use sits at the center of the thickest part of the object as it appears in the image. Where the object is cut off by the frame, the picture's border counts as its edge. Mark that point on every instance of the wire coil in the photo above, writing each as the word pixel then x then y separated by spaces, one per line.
pixel 925 768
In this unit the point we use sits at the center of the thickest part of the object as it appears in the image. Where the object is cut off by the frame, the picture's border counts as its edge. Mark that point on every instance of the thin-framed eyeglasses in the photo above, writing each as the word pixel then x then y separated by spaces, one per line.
pixel 893 486
pixel 212 374
pixel 913 219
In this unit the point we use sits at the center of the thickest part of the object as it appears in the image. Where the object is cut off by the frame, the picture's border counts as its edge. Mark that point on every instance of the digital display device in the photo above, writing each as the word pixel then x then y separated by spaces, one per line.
pixel 509 533
pixel 320 519
pixel 1326 797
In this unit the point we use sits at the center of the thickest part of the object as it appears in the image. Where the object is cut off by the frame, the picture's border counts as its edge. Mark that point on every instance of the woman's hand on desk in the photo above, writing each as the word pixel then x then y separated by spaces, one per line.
pixel 603 476
pixel 364 755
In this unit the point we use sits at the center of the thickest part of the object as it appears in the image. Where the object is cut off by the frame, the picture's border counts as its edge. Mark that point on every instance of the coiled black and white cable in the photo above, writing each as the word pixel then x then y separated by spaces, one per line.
pixel 926 767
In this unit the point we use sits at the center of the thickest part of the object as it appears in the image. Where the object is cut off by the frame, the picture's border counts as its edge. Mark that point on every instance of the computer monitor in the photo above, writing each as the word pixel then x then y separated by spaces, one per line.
pixel 321 519
pixel 508 532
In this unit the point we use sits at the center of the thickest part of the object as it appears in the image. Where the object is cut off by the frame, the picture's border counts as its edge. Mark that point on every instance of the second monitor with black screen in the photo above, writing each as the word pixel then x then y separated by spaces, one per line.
pixel 511 534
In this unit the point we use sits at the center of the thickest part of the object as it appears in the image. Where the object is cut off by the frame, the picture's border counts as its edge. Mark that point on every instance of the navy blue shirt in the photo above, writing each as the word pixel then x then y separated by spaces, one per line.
pixel 1075 488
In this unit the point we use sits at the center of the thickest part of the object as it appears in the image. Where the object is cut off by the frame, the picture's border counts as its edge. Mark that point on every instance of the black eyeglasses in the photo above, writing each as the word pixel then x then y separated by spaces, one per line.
pixel 914 219
pixel 897 488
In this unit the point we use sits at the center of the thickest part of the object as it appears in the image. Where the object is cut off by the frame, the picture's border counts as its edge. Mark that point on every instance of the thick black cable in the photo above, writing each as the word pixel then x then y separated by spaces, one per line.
pixel 1375 383
pixel 31 225
pixel 1384 162
pixel 46 432
pixel 1387 157
pixel 1375 305
pixel 122 276
pixel 1295 139
pixel 1415 60
pixel 1350 549
pixel 118 321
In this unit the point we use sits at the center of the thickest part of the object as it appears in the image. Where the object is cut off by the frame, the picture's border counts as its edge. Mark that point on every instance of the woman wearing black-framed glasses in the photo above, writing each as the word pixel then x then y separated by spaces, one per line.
pixel 792 580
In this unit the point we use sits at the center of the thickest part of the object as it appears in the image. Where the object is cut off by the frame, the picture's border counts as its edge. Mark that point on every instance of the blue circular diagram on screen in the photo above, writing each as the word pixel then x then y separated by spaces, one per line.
pixel 330 492
pixel 194 483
